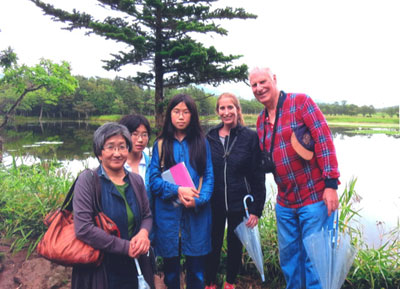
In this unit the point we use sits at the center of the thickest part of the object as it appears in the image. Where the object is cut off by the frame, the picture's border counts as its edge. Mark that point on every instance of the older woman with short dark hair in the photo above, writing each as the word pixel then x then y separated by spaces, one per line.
pixel 124 200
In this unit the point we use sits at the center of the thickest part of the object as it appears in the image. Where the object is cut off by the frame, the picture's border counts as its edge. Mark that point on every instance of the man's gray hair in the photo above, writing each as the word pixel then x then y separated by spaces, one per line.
pixel 266 70
pixel 107 130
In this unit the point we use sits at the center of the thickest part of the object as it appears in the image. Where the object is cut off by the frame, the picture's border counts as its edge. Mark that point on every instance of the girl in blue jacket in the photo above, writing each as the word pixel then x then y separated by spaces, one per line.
pixel 182 215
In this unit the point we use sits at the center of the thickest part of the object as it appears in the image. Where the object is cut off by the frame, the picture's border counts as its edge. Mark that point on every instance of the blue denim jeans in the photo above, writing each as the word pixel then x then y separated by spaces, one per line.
pixel 194 272
pixel 293 226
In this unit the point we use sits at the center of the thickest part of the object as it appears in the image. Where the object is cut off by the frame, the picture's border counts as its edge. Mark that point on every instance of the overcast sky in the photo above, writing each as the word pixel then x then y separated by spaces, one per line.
pixel 331 50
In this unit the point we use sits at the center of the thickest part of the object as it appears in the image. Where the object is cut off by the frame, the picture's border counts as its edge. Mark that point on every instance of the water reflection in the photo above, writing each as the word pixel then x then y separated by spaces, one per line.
pixel 63 140
pixel 373 159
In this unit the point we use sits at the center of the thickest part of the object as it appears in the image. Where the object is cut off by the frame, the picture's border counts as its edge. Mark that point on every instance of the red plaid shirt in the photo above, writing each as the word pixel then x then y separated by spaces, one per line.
pixel 300 182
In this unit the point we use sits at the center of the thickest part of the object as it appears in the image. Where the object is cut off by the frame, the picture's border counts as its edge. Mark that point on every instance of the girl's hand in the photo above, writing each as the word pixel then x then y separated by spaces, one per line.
pixel 139 244
pixel 186 195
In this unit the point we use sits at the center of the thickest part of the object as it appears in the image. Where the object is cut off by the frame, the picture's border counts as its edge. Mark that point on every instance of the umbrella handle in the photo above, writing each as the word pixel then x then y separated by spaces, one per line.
pixel 335 227
pixel 138 267
pixel 245 204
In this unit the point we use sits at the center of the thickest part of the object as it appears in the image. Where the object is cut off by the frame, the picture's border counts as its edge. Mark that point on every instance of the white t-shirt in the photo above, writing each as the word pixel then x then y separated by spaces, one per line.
pixel 142 167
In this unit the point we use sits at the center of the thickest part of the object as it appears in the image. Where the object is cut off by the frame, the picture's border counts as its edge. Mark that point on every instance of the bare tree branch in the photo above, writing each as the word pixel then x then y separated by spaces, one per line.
pixel 17 102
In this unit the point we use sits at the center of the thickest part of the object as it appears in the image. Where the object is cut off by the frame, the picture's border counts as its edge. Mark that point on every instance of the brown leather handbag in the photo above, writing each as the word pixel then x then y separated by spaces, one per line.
pixel 59 244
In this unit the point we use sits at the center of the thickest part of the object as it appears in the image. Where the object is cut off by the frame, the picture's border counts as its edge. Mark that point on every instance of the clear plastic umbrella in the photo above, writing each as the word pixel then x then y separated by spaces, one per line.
pixel 331 255
pixel 142 284
pixel 250 238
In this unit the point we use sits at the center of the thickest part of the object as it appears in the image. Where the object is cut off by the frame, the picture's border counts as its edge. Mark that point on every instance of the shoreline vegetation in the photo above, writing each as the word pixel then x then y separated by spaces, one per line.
pixel 28 193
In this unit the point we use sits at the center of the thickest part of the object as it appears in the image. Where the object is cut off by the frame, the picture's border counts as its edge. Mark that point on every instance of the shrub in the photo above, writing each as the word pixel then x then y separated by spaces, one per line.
pixel 27 194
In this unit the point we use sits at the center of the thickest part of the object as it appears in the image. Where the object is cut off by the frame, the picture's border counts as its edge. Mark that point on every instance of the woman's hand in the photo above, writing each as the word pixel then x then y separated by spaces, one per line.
pixel 139 244
pixel 252 221
pixel 186 195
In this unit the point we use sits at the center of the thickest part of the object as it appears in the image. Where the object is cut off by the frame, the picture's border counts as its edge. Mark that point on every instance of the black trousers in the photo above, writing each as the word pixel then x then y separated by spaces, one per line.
pixel 219 218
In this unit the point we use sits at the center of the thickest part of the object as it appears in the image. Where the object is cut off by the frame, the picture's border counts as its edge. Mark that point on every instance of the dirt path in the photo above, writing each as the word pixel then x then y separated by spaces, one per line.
pixel 34 273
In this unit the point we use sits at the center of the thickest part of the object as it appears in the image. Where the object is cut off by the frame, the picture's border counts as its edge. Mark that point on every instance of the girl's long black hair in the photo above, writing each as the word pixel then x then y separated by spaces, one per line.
pixel 194 136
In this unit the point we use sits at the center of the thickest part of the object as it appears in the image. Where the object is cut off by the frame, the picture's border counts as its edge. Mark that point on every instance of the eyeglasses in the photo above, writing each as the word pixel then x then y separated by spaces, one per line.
pixel 111 148
pixel 142 135
pixel 178 112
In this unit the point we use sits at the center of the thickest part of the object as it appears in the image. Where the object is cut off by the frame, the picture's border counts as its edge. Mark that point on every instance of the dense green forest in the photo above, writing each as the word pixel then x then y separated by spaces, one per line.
pixel 102 96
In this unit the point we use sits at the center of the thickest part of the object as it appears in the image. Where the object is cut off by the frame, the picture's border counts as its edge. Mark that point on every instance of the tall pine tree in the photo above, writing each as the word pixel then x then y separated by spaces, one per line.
pixel 160 32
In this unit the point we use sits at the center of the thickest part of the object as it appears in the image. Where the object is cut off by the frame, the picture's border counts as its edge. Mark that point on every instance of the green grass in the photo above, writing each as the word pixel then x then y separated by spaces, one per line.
pixel 376 121
pixel 375 118
pixel 370 131
pixel 106 118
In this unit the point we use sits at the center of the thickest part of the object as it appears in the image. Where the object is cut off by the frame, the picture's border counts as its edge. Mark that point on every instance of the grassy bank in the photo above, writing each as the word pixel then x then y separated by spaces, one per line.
pixel 28 193
pixel 366 131
pixel 376 120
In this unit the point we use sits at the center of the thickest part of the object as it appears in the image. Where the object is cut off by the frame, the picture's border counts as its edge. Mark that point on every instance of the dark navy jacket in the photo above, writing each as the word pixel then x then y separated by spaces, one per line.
pixel 240 163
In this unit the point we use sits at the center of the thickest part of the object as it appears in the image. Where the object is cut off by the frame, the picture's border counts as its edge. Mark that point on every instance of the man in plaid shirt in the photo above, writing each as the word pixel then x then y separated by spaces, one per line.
pixel 306 188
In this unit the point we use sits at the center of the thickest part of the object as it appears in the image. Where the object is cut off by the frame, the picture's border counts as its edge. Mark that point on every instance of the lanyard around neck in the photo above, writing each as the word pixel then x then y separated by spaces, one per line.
pixel 282 97
pixel 227 147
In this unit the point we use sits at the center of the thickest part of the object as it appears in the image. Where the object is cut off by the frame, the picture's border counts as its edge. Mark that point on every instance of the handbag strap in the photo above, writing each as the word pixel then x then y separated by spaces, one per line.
pixel 67 204
pixel 282 97
pixel 97 208
pixel 97 188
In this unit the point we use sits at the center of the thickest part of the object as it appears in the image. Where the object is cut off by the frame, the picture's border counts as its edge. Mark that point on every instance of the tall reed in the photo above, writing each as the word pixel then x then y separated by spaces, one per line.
pixel 377 267
pixel 372 267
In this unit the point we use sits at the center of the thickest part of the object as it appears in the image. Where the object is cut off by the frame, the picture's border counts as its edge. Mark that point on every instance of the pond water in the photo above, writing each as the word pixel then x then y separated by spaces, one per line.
pixel 372 159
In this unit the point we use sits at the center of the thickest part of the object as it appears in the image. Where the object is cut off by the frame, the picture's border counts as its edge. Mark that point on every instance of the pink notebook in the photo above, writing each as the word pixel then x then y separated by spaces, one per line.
pixel 178 175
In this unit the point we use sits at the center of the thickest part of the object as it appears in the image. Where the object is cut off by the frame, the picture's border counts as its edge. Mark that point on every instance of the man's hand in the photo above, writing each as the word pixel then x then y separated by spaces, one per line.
pixel 139 244
pixel 186 195
pixel 252 221
pixel 331 200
